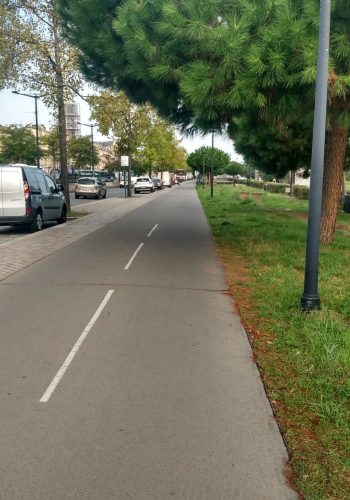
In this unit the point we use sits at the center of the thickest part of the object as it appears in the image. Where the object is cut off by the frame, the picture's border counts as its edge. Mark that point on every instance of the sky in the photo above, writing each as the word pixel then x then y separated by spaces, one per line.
pixel 19 110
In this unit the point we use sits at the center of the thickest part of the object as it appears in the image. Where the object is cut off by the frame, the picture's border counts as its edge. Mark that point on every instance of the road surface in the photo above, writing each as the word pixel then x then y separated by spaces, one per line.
pixel 125 373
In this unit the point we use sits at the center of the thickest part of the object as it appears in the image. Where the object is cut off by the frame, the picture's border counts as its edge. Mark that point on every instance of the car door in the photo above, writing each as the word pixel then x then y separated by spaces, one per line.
pixel 12 192
pixel 46 198
pixel 55 198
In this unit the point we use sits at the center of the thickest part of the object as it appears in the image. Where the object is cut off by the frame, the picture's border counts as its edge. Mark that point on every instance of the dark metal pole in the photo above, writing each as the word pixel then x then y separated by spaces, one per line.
pixel 92 147
pixel 36 97
pixel 310 299
pixel 203 168
pixel 129 152
pixel 212 166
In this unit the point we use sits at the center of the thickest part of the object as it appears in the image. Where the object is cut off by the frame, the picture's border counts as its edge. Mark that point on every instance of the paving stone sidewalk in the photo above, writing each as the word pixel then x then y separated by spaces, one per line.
pixel 19 253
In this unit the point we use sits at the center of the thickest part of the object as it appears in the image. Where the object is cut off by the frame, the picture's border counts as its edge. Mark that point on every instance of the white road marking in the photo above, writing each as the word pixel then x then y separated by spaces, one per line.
pixel 133 257
pixel 57 378
pixel 150 233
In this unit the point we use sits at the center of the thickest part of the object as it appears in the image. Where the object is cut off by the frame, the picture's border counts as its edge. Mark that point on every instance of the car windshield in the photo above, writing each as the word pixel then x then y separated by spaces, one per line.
pixel 86 181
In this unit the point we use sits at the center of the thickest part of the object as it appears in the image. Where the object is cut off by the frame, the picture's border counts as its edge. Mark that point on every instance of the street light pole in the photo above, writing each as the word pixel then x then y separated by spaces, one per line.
pixel 91 125
pixel 203 168
pixel 310 299
pixel 37 151
pixel 92 147
pixel 212 166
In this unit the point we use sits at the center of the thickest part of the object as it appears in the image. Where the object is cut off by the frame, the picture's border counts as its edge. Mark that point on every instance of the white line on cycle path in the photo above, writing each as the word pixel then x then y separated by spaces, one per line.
pixel 150 233
pixel 133 256
pixel 57 378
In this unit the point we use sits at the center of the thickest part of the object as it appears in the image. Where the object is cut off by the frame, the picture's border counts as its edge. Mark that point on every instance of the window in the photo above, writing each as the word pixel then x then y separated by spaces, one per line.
pixel 41 181
pixel 32 180
pixel 91 182
pixel 50 183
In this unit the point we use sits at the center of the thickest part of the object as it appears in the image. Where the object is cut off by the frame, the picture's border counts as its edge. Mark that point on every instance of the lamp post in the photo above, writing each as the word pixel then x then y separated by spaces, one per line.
pixel 310 299
pixel 35 97
pixel 212 166
pixel 203 168
pixel 91 125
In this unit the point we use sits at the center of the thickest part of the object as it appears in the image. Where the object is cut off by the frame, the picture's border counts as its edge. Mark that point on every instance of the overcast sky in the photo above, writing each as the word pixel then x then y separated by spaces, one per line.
pixel 19 110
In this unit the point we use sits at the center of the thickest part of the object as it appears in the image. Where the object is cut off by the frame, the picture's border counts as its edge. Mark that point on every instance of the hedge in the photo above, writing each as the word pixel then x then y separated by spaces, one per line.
pixel 301 192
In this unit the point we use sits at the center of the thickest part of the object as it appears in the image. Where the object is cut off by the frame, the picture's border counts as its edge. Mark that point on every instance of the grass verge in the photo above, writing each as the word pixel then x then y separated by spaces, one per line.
pixel 304 358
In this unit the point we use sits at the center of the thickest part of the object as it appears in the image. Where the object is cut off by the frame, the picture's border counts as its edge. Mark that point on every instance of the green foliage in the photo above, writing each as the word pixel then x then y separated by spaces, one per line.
pixel 202 158
pixel 150 139
pixel 52 145
pixel 301 192
pixel 17 145
pixel 80 152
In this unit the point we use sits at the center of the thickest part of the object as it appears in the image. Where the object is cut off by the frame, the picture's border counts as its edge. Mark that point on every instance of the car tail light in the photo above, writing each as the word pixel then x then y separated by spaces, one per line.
pixel 28 209
pixel 26 190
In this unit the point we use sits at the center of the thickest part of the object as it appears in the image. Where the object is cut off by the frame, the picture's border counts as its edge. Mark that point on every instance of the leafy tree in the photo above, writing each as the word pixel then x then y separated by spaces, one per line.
pixel 42 61
pixel 200 160
pixel 127 122
pixel 17 145
pixel 203 64
pixel 51 145
pixel 79 152
pixel 139 132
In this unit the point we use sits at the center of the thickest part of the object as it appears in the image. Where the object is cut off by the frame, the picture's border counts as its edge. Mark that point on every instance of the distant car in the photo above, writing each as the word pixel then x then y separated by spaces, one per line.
pixel 90 187
pixel 143 184
pixel 105 177
pixel 158 183
pixel 29 197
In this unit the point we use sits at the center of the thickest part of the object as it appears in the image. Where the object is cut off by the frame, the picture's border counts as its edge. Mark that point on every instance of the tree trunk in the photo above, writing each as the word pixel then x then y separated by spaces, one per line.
pixel 62 137
pixel 332 180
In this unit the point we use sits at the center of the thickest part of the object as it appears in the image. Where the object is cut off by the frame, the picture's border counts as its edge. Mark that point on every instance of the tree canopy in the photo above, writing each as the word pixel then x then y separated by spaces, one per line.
pixel 81 152
pixel 206 65
pixel 201 159
pixel 17 145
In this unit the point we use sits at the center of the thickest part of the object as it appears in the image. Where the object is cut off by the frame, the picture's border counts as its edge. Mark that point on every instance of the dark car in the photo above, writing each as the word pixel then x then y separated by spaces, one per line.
pixel 158 183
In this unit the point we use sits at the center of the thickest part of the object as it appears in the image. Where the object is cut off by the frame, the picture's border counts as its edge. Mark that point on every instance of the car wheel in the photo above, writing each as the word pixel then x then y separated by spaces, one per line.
pixel 37 223
pixel 98 196
pixel 63 217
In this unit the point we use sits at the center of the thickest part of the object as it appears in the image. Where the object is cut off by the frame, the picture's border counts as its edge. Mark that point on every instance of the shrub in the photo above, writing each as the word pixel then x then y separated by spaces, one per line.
pixel 301 192
pixel 275 187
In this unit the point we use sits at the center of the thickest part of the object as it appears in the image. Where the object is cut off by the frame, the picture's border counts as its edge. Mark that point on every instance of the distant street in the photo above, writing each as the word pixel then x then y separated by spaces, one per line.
pixel 125 372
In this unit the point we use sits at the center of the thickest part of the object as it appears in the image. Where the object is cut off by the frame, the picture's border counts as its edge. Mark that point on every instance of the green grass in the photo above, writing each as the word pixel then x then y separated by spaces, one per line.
pixel 304 358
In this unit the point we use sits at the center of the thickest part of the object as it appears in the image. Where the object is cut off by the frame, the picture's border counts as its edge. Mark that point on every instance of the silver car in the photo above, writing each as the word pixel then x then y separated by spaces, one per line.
pixel 90 187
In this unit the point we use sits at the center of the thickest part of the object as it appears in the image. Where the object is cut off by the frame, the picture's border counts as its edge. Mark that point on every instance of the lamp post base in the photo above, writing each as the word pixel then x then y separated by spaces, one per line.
pixel 310 303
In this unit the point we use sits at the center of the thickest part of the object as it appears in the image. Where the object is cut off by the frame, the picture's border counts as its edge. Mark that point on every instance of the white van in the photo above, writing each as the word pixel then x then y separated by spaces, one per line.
pixel 28 196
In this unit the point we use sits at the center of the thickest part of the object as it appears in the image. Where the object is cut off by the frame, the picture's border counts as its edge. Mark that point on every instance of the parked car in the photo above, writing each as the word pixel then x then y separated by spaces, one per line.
pixel 133 180
pixel 90 187
pixel 106 177
pixel 158 183
pixel 143 184
pixel 30 197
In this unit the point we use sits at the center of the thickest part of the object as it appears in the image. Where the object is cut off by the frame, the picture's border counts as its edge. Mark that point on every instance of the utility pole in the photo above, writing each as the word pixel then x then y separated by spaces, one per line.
pixel 212 166
pixel 310 299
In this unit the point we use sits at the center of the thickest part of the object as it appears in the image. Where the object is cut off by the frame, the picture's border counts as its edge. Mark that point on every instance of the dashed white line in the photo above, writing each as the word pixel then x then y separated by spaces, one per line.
pixel 133 257
pixel 150 233
pixel 57 378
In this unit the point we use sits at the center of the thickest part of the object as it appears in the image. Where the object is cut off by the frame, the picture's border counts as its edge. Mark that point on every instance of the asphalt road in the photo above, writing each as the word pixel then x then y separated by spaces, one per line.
pixel 8 233
pixel 125 373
